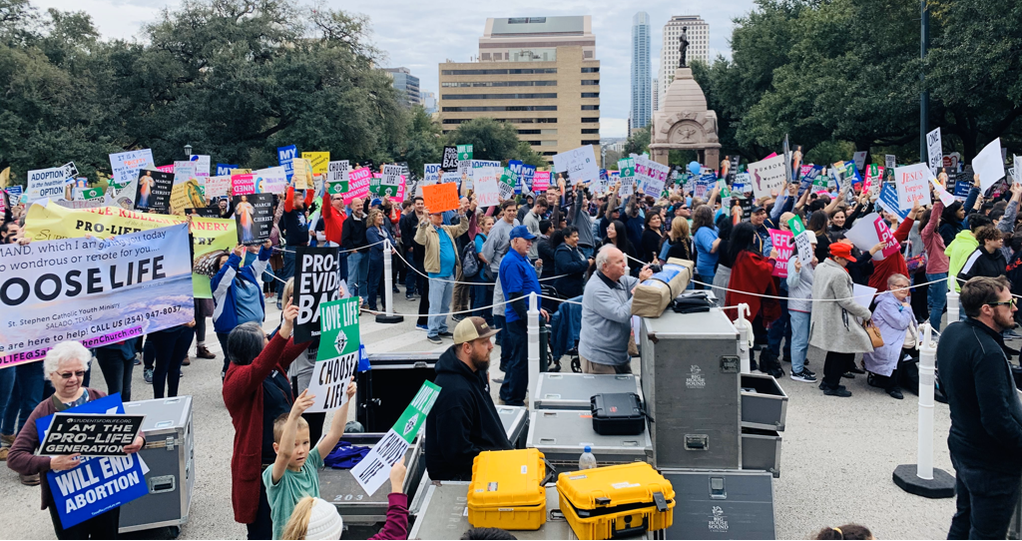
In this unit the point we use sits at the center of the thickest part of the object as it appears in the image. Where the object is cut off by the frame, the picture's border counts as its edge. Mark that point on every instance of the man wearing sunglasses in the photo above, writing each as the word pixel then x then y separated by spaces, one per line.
pixel 986 416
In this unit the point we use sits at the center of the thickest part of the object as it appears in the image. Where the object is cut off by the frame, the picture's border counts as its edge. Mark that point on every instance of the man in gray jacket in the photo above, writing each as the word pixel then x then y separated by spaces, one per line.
pixel 607 314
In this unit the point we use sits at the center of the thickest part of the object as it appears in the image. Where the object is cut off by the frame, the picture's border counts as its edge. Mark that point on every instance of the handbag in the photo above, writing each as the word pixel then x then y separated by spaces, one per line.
pixel 874 333
pixel 911 337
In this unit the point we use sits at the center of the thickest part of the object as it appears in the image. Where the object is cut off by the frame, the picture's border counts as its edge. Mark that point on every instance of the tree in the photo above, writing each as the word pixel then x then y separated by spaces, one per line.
pixel 423 142
pixel 492 140
pixel 638 141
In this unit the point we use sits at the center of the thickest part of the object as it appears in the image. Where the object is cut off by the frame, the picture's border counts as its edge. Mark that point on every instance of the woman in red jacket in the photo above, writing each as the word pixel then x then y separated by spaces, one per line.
pixel 256 390
pixel 753 273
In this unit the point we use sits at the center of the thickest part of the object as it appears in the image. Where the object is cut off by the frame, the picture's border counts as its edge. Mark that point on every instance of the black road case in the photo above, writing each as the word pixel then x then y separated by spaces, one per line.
pixel 618 414
pixel 722 504
pixel 385 391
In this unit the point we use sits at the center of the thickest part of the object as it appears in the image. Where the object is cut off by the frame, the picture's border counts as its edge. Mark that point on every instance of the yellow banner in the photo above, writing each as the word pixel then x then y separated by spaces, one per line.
pixel 320 161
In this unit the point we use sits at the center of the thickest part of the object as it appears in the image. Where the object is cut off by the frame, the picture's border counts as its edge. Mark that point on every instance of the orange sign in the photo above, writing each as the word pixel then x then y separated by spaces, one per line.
pixel 441 197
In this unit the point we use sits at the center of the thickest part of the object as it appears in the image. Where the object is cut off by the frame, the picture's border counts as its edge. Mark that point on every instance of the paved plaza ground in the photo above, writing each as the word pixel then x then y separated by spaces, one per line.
pixel 838 453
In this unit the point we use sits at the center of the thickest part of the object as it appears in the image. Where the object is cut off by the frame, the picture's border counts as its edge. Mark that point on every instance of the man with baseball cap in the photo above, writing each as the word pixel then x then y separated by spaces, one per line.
pixel 517 279
pixel 464 421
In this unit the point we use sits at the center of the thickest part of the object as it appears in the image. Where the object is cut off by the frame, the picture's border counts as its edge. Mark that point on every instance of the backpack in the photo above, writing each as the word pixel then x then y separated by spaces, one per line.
pixel 470 263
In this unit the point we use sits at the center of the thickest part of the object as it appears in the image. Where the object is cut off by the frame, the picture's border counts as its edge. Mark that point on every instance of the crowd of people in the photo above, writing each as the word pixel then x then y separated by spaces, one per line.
pixel 478 265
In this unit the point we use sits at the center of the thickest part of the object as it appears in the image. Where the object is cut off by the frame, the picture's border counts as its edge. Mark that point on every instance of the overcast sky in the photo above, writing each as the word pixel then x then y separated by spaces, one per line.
pixel 419 35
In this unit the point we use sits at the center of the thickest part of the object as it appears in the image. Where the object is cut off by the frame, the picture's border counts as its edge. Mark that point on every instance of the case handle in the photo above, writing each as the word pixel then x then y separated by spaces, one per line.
pixel 631 531
pixel 551 472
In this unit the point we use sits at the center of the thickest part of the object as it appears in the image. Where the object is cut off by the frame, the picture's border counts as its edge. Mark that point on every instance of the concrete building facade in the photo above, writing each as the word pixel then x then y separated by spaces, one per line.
pixel 407 83
pixel 698 47
pixel 655 91
pixel 640 111
pixel 538 73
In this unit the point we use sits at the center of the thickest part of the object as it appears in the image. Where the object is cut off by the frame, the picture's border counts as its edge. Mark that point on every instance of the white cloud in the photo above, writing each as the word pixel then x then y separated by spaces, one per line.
pixel 421 35
pixel 613 127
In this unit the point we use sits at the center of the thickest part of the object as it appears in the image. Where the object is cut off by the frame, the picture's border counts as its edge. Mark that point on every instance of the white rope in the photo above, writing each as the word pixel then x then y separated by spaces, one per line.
pixel 340 251
pixel 445 314
pixel 412 268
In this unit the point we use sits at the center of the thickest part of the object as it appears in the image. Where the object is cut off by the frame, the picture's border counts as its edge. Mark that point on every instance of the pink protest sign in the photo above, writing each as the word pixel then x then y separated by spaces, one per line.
pixel 166 168
pixel 540 181
pixel 891 244
pixel 358 184
pixel 784 243
pixel 242 184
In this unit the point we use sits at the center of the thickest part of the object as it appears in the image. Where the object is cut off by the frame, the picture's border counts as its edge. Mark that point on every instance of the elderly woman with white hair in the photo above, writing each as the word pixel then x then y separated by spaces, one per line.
pixel 893 316
pixel 65 365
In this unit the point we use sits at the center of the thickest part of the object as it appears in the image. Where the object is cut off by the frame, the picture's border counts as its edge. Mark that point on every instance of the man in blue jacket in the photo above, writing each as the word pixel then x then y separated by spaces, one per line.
pixel 985 439
pixel 238 294
pixel 518 279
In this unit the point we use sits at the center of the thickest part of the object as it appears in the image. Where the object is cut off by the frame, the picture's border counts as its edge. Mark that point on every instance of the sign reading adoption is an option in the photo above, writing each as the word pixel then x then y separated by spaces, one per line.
pixel 50 182
pixel 90 434
pixel 373 470
pixel 580 164
pixel 317 281
pixel 97 484
pixel 253 215
pixel 767 176
pixel 153 191
pixel 337 357
pixel 89 288
pixel 913 183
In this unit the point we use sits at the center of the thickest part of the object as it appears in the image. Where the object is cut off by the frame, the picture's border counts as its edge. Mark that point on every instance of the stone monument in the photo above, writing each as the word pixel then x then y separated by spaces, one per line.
pixel 684 122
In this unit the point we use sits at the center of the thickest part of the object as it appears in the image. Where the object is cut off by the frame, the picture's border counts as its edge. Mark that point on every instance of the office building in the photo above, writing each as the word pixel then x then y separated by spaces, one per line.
pixel 698 47
pixel 429 102
pixel 407 83
pixel 655 91
pixel 538 73
pixel 640 71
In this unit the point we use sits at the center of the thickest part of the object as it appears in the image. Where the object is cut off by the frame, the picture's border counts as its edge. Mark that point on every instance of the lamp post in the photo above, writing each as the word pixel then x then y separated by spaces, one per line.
pixel 188 151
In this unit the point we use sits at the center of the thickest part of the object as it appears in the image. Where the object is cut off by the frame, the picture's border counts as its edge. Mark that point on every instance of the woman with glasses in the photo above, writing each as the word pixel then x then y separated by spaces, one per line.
pixel 893 316
pixel 65 365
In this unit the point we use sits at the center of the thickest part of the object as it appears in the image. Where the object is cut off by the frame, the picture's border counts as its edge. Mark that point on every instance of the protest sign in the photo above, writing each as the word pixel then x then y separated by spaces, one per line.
pixel 301 174
pixel 528 175
pixel 391 176
pixel 209 234
pixel 783 242
pixel 515 167
pixel 870 230
pixel 338 171
pixel 486 190
pixel 373 470
pixel 859 158
pixel 90 193
pixel 767 176
pixel 285 158
pixel 989 164
pixel 253 215
pixel 125 165
pixel 450 159
pixel 805 248
pixel 962 190
pixel 580 164
pixel 270 180
pixel 183 172
pixel 15 191
pixel 506 186
pixel 464 160
pixel 627 167
pixel 441 197
pixel 43 183
pixel 1017 160
pixel 224 168
pixel 886 236
pixel 317 281
pixel 90 434
pixel 187 194
pixel 217 186
pixel 863 295
pixel 92 290
pixel 358 185
pixel 338 354
pixel 942 194
pixel 97 484
pixel 170 169
pixel 540 181
pixel 242 184
pixel 888 200
pixel 153 191
pixel 201 163
pixel 320 161
pixel 934 150
pixel 430 174
pixel 652 175
pixel 912 182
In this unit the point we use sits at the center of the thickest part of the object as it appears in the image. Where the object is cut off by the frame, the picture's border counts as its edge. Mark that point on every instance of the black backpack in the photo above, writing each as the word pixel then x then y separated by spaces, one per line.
pixel 470 263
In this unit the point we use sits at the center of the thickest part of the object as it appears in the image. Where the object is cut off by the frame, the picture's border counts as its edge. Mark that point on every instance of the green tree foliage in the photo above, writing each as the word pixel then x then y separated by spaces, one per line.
pixel 492 140
pixel 638 142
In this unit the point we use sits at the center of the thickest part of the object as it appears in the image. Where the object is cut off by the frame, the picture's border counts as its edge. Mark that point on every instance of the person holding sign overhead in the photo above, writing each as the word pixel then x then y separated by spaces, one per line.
pixel 65 365
pixel 441 263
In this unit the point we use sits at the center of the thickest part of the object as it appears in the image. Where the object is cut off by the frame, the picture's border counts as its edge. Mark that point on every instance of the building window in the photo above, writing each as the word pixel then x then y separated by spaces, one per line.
pixel 589 119
pixel 589 82
pixel 590 70
pixel 500 108
pixel 548 132
pixel 534 143
pixel 529 132
pixel 499 71
pixel 591 142
pixel 590 94
pixel 550 95
pixel 585 131
pixel 549 153
pixel 527 121
pixel 487 84
pixel 526 20
pixel 590 107
pixel 548 143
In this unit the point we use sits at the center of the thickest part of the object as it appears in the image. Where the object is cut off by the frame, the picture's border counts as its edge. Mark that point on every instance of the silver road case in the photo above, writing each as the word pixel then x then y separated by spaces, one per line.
pixel 556 391
pixel 722 504
pixel 340 488
pixel 561 435
pixel 169 453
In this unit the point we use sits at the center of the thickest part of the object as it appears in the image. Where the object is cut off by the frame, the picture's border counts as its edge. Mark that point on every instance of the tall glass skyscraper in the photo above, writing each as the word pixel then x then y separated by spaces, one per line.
pixel 641 106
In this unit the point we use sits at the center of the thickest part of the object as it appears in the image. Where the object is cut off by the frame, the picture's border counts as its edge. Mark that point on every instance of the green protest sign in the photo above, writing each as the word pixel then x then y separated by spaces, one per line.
pixel 339 332
pixel 337 188
pixel 91 193
pixel 796 226
pixel 407 425
pixel 464 153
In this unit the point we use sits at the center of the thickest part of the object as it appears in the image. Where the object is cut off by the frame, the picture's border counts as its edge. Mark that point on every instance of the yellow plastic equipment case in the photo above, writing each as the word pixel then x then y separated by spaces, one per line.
pixel 507 490
pixel 625 500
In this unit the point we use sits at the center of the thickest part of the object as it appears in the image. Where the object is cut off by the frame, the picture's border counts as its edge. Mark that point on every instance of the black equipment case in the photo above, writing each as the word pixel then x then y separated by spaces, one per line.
pixel 618 414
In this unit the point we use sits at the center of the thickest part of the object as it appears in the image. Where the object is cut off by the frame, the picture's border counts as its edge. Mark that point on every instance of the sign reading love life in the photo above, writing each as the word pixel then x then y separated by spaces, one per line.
pixel 337 357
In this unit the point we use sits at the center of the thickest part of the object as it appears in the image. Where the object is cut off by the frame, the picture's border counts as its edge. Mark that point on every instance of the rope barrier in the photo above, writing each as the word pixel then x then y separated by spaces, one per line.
pixel 412 267
pixel 278 249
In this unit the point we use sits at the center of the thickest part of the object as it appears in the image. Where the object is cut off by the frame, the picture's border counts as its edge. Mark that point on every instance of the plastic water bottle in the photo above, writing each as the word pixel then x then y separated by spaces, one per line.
pixel 587 460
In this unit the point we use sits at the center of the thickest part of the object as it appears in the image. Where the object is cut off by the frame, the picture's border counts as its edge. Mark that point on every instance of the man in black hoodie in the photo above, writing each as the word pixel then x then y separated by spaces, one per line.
pixel 986 416
pixel 464 421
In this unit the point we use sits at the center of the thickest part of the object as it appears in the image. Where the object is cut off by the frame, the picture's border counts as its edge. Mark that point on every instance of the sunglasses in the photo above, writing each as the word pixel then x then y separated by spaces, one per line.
pixel 79 374
pixel 1003 303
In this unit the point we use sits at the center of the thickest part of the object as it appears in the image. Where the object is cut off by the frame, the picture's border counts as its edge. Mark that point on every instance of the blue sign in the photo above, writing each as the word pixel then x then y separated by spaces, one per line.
pixel 889 201
pixel 516 174
pixel 224 169
pixel 808 178
pixel 97 484
pixel 15 190
pixel 961 190
pixel 286 155
pixel 528 171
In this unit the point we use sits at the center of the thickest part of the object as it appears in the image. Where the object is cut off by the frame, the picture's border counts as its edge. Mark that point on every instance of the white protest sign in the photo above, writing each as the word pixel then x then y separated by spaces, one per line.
pixel 43 183
pixel 863 295
pixel 767 176
pixel 217 186
pixel 912 182
pixel 989 164
pixel 860 159
pixel 391 175
pixel 934 150
pixel 337 357
pixel 337 171
pixel 1018 168
pixel 184 171
pixel 943 194
pixel 201 163
pixel 652 175
pixel 486 189
pixel 430 174
pixel 580 164
pixel 890 161
pixel 125 165
pixel 269 180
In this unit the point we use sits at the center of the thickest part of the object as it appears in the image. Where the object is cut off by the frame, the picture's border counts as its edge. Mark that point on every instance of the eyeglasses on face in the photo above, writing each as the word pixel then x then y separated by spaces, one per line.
pixel 1010 302
pixel 79 374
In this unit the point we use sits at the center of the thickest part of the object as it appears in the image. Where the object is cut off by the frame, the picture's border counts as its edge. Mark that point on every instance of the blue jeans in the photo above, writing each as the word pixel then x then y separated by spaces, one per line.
pixel 358 273
pixel 288 270
pixel 587 251
pixel 482 295
pixel 375 276
pixel 799 339
pixel 779 330
pixel 440 292
pixel 516 377
pixel 986 500
pixel 26 395
pixel 936 298
pixel 410 275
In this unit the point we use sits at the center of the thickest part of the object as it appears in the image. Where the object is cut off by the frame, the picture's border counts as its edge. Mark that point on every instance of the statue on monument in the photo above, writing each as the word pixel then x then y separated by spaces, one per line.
pixel 683 47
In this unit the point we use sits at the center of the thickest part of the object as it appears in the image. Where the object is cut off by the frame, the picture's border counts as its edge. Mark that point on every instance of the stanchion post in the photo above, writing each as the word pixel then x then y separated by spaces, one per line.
pixel 388 286
pixel 533 348
pixel 922 478
pixel 744 329
pixel 952 305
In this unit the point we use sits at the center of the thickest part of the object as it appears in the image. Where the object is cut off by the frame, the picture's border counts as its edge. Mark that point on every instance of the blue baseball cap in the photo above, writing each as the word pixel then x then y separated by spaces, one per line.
pixel 522 232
